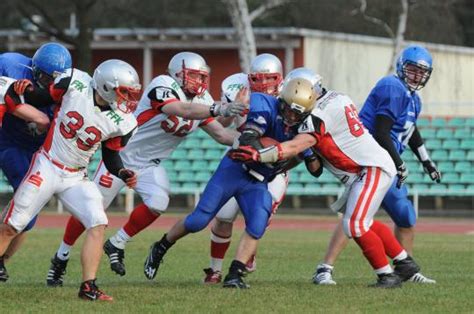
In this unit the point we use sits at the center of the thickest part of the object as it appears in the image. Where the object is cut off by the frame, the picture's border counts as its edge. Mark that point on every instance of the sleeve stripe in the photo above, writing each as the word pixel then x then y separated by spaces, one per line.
pixel 206 122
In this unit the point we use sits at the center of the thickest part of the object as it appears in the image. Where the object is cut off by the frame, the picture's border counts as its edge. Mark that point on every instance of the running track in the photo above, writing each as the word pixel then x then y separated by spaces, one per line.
pixel 282 222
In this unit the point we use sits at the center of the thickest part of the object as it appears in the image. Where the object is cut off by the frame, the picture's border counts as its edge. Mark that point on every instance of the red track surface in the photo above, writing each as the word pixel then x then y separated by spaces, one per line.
pixel 281 222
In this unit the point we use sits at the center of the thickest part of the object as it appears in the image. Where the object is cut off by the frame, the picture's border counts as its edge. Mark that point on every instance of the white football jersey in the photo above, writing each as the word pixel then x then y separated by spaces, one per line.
pixel 5 83
pixel 229 89
pixel 159 134
pixel 79 126
pixel 344 143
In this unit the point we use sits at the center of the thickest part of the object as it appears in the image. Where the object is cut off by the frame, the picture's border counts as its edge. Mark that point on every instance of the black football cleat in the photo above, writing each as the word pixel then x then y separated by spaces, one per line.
pixel 406 268
pixel 116 257
pixel 234 280
pixel 3 273
pixel 56 272
pixel 153 260
pixel 387 281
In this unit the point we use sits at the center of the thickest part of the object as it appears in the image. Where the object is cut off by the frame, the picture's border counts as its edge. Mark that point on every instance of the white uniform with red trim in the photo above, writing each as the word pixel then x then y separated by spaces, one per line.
pixel 157 137
pixel 278 186
pixel 353 156
pixel 59 167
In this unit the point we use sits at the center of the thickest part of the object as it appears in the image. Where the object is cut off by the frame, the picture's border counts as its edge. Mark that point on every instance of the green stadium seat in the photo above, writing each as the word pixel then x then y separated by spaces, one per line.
pixel 189 186
pixel 185 176
pixel 470 155
pixel 457 122
pixel 463 133
pixel 428 133
pixel 419 187
pixel 450 144
pixel 457 155
pixel 192 143
pixel 179 154
pixel 327 177
pixel 415 178
pixel 182 165
pixel 172 176
pixel 423 122
pixel 199 165
pixel 433 143
pixel 295 188
pixel 467 144
pixel 209 143
pixel 470 122
pixel 438 122
pixel 438 189
pixel 461 166
pixel 439 155
pixel 444 134
pixel 457 189
pixel 467 178
pixel 212 154
pixel 445 166
pixel 167 164
pixel 306 177
pixel 212 165
pixel 450 177
pixel 196 154
pixel 202 177
pixel 470 188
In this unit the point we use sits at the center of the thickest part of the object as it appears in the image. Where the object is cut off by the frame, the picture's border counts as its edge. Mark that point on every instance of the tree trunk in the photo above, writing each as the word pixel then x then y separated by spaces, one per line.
pixel 83 40
pixel 399 39
pixel 239 14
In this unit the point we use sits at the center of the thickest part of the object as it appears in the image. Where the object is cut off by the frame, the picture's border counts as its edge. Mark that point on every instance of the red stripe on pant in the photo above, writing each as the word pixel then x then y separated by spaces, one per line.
pixel 359 203
pixel 369 201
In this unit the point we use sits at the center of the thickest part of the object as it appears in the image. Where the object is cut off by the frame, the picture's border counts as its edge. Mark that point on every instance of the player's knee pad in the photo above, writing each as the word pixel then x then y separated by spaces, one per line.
pixel 157 203
pixel 197 220
pixel 94 214
pixel 228 212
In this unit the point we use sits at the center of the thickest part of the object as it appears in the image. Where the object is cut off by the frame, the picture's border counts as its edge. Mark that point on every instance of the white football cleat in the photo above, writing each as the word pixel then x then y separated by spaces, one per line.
pixel 323 275
pixel 419 278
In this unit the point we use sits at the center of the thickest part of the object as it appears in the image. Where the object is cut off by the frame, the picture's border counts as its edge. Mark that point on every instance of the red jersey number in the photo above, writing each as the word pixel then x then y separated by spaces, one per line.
pixel 172 125
pixel 70 129
pixel 355 126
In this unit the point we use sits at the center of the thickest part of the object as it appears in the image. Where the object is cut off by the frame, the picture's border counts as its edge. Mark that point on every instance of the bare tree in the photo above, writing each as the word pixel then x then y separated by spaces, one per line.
pixel 80 40
pixel 242 21
pixel 398 38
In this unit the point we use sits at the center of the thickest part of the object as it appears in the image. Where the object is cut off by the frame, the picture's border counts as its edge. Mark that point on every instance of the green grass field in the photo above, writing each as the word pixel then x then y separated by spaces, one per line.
pixel 286 260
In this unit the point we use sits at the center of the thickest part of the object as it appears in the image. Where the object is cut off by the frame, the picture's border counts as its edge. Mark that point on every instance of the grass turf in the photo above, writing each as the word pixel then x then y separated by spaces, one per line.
pixel 282 283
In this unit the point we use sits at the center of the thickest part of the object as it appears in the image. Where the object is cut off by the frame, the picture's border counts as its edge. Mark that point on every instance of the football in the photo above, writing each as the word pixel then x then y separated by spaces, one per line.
pixel 268 141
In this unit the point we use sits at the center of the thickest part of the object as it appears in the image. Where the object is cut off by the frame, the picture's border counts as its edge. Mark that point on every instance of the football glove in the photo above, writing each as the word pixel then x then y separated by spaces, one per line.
pixel 20 86
pixel 245 154
pixel 402 174
pixel 228 109
pixel 430 168
pixel 128 176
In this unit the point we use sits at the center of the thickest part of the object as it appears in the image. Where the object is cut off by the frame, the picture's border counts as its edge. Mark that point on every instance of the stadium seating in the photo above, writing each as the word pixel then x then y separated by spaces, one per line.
pixel 450 142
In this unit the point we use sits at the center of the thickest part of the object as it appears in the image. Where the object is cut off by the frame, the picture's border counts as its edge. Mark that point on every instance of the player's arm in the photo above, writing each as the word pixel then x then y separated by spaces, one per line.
pixel 418 147
pixel 113 162
pixel 16 105
pixel 222 135
pixel 40 97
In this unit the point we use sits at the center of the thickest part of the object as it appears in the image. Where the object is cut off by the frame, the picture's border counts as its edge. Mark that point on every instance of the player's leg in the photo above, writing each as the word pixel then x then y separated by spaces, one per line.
pixel 255 202
pixel 364 199
pixel 324 270
pixel 221 233
pixel 153 188
pixel 30 197
pixel 15 162
pixel 221 187
pixel 403 213
pixel 84 201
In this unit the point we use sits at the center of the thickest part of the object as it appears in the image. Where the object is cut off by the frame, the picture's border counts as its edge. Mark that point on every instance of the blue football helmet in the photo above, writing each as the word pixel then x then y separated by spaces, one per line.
pixel 49 61
pixel 414 66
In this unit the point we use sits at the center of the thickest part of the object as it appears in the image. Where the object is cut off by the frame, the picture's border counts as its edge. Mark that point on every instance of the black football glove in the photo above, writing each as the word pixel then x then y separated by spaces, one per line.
pixel 128 176
pixel 430 168
pixel 402 174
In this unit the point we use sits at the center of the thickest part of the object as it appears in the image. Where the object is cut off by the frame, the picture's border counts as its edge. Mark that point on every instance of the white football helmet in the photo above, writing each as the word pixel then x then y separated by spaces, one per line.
pixel 117 82
pixel 266 73
pixel 297 99
pixel 309 75
pixel 190 71
pixel 231 86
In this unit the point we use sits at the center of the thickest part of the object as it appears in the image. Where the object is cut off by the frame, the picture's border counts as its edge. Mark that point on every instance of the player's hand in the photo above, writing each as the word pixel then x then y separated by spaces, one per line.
pixel 229 109
pixel 20 86
pixel 430 168
pixel 245 154
pixel 243 96
pixel 402 174
pixel 128 176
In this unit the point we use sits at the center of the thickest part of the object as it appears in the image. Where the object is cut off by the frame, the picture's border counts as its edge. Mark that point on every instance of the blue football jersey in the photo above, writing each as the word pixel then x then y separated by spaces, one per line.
pixel 390 97
pixel 264 115
pixel 18 66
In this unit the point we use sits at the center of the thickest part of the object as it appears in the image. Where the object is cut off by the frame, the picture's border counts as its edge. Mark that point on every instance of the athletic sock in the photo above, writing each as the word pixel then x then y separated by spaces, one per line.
pixel 73 231
pixel 140 218
pixel 219 247
pixel 63 251
pixel 373 249
pixel 390 243
pixel 120 239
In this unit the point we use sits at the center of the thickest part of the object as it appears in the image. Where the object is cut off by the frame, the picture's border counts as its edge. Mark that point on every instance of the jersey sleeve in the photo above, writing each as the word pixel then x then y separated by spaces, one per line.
pixel 119 142
pixel 162 95
pixel 314 126
pixel 389 100
pixel 12 100
pixel 60 86
pixel 259 114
